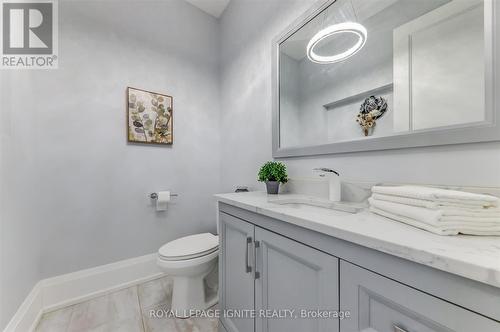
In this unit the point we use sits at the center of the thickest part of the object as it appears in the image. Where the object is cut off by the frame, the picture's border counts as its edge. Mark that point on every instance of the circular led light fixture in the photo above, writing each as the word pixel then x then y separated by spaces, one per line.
pixel 346 27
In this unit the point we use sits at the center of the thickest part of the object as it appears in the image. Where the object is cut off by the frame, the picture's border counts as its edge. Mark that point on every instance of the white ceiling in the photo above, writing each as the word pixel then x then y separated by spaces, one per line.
pixel 212 7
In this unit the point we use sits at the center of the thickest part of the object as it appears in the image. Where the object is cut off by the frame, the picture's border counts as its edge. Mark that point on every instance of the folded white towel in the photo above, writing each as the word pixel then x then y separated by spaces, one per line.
pixel 471 219
pixel 414 223
pixel 427 216
pixel 434 229
pixel 459 225
pixel 438 195
pixel 436 218
pixel 448 210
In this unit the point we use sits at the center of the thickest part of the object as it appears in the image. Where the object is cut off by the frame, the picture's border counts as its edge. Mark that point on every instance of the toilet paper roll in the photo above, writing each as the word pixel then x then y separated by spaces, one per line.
pixel 162 200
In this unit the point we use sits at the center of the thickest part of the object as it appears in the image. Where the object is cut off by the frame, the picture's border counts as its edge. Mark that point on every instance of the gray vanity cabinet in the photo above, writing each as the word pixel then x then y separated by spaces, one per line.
pixel 284 277
pixel 268 264
pixel 379 304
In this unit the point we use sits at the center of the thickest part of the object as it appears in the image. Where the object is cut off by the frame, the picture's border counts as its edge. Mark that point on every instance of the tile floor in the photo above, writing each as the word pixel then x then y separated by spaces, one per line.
pixel 125 310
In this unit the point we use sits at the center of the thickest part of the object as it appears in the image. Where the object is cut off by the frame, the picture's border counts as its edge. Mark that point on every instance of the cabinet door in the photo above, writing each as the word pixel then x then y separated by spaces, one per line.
pixel 379 304
pixel 236 283
pixel 293 276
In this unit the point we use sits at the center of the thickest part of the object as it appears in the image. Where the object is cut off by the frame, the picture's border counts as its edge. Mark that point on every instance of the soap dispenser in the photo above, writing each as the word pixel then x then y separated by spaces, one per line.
pixel 334 184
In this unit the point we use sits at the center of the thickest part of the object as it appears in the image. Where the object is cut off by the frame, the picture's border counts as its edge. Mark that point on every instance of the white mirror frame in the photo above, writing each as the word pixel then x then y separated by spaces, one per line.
pixel 483 132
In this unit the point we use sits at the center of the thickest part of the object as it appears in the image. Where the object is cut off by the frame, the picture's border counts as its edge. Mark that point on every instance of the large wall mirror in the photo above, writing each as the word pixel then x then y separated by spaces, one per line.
pixel 357 75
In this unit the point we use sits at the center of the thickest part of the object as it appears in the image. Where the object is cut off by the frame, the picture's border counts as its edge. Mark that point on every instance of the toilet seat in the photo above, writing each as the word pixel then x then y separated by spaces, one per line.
pixel 189 247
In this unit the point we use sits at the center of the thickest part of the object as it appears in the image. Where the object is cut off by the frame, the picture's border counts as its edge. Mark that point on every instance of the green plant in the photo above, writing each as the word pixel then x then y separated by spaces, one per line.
pixel 273 171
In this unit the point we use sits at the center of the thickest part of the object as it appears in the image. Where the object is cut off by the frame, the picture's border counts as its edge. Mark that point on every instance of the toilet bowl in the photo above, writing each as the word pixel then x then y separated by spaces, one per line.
pixel 188 261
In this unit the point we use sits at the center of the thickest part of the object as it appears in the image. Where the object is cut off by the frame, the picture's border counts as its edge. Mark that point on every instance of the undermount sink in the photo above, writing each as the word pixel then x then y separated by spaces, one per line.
pixel 307 202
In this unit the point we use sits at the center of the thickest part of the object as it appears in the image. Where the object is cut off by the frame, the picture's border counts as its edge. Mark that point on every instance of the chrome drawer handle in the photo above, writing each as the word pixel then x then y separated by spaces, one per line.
pixel 257 246
pixel 399 329
pixel 248 268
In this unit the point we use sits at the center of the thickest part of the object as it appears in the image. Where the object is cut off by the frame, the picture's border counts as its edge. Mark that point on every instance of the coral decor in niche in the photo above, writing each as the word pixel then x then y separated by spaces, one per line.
pixel 149 117
pixel 371 109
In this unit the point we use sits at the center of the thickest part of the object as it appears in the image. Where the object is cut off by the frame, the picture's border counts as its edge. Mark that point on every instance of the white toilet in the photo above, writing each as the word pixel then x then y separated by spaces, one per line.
pixel 189 260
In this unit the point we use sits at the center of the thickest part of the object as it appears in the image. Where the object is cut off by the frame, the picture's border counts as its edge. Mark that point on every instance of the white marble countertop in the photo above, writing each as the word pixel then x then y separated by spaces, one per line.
pixel 472 257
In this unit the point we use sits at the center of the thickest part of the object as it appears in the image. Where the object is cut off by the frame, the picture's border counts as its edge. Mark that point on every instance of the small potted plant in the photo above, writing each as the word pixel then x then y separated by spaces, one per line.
pixel 273 173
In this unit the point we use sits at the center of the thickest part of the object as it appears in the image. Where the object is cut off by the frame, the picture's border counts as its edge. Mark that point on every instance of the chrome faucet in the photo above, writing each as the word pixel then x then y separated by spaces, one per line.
pixel 326 170
pixel 334 184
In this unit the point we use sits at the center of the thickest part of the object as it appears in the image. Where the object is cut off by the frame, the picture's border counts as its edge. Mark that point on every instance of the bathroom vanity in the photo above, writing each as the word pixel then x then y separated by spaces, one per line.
pixel 381 275
pixel 350 76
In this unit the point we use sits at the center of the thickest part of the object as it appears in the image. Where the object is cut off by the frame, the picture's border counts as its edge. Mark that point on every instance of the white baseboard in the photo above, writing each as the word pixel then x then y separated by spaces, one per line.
pixel 54 293
pixel 28 313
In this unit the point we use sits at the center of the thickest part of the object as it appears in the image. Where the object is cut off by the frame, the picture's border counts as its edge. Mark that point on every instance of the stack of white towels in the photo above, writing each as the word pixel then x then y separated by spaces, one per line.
pixel 440 211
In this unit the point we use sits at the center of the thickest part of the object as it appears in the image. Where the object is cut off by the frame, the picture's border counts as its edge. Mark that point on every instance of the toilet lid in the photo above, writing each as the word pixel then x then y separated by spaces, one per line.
pixel 191 246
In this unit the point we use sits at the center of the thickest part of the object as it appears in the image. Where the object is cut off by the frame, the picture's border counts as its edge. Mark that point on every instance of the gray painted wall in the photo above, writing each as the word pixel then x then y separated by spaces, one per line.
pixel 247 28
pixel 74 193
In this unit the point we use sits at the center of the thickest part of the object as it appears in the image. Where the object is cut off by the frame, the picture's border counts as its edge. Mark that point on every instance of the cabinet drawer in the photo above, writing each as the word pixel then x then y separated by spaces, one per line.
pixel 379 304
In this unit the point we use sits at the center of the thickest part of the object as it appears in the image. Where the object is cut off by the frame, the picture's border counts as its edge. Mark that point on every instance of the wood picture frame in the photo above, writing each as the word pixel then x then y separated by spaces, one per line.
pixel 149 117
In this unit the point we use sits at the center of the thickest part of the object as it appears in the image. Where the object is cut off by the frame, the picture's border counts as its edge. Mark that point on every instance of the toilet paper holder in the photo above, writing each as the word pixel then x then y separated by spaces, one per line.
pixel 155 195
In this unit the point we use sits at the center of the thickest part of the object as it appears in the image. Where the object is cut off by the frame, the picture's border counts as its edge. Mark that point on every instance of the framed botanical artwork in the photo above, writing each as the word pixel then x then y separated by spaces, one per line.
pixel 149 117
